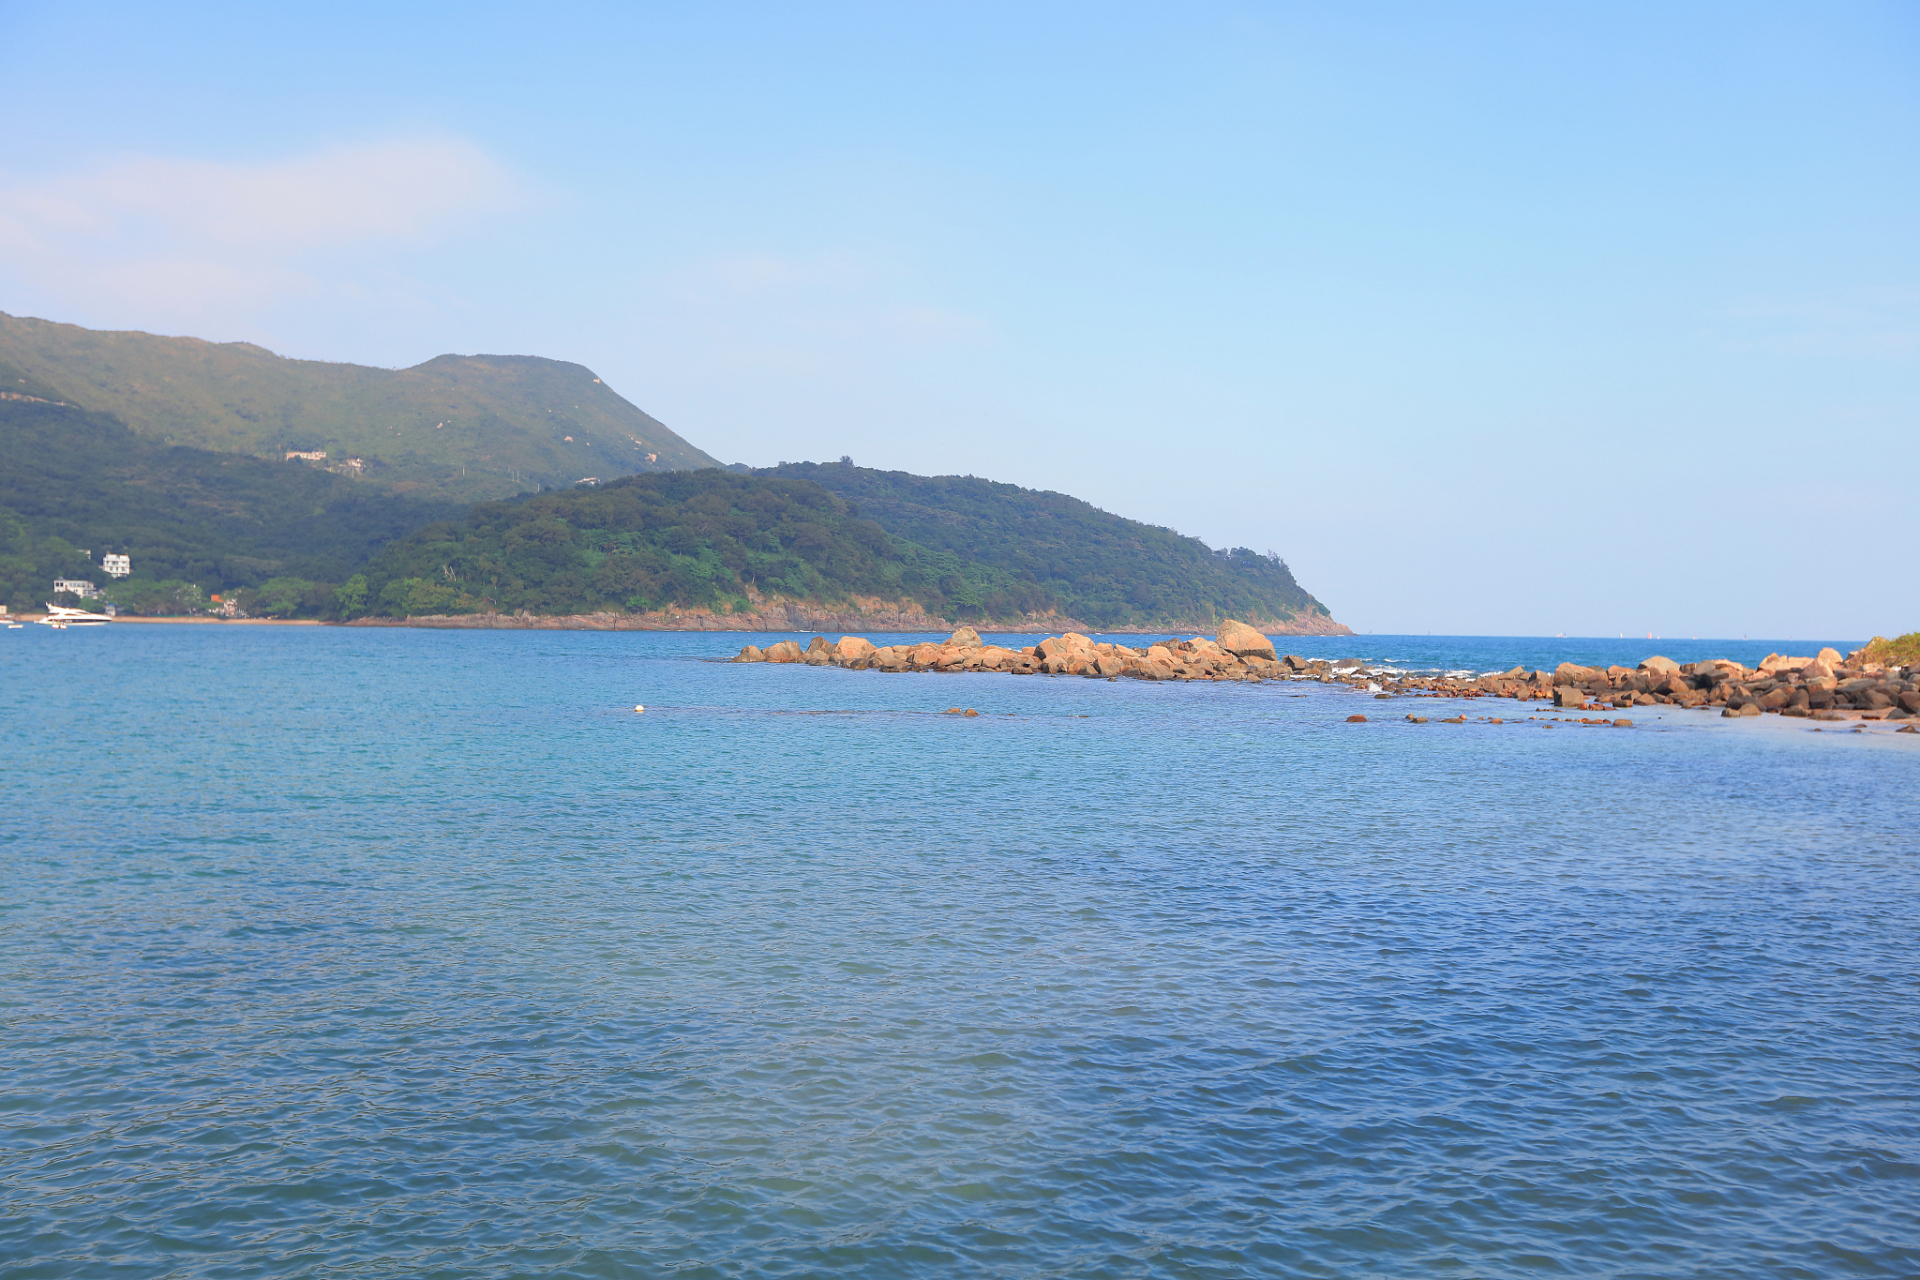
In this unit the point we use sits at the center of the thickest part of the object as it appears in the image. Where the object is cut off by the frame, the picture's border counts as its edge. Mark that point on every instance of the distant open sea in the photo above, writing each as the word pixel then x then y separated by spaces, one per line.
pixel 391 953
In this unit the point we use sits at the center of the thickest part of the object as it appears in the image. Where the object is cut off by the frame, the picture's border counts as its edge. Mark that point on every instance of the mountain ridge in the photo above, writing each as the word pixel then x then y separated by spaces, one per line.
pixel 465 426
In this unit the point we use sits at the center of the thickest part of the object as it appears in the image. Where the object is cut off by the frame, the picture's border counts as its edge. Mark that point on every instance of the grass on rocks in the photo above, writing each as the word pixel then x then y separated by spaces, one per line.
pixel 1898 652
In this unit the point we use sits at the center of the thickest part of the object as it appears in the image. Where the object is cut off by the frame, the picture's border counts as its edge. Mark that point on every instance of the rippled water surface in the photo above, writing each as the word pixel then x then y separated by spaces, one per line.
pixel 396 953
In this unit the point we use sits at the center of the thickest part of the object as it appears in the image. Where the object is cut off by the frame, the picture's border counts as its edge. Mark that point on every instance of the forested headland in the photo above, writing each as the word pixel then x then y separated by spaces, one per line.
pixel 723 541
pixel 103 450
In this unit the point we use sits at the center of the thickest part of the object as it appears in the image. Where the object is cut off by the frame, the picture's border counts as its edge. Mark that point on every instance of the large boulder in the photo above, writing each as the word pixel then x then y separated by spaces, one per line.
pixel 1242 641
pixel 1574 673
pixel 964 638
pixel 995 658
pixel 751 654
pixel 785 651
pixel 1062 646
pixel 854 649
pixel 1570 695
pixel 1657 665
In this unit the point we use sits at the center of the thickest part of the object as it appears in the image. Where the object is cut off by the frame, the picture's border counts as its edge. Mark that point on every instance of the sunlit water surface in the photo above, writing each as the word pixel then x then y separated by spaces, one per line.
pixel 397 953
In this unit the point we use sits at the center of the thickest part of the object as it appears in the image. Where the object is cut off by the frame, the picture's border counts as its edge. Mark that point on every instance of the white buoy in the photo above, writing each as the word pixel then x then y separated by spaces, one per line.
pixel 638 707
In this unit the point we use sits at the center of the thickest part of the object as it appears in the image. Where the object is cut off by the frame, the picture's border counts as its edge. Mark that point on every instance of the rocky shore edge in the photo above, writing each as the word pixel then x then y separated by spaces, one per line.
pixel 776 616
pixel 1825 686
pixel 863 615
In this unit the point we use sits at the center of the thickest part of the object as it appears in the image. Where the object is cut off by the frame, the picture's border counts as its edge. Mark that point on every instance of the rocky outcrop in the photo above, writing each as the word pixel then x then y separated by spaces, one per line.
pixel 1242 641
pixel 1823 686
pixel 1070 653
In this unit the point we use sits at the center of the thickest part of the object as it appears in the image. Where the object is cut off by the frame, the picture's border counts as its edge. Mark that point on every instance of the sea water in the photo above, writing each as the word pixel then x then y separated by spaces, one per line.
pixel 340 952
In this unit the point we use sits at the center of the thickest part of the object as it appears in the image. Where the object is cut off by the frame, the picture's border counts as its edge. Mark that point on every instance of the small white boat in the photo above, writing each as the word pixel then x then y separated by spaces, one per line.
pixel 60 617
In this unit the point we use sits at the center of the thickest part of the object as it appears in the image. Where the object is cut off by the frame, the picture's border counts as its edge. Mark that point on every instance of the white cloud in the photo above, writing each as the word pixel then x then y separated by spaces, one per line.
pixel 185 237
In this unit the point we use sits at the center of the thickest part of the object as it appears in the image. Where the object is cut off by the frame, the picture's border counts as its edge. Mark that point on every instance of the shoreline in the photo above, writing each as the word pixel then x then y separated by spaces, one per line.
pixel 194 620
pixel 792 618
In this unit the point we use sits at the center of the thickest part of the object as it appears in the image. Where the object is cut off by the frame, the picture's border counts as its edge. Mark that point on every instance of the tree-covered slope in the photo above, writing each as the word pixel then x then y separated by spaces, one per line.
pixel 73 481
pixel 1033 550
pixel 691 538
pixel 993 553
pixel 469 426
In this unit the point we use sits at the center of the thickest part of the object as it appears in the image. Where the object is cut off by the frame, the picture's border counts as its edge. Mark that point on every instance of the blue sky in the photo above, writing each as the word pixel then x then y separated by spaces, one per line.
pixel 1490 319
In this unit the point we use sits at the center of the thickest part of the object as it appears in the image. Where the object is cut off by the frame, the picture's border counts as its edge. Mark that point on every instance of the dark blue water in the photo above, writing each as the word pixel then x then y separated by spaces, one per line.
pixel 400 953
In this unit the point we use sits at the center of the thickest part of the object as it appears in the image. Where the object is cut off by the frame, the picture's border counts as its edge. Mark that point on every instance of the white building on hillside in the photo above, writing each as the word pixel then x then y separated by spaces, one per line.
pixel 116 566
pixel 75 587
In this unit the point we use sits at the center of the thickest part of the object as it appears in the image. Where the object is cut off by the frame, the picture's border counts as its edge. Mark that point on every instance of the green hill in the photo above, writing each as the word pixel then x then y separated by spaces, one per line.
pixel 75 485
pixel 704 538
pixel 692 538
pixel 173 450
pixel 1028 550
pixel 456 426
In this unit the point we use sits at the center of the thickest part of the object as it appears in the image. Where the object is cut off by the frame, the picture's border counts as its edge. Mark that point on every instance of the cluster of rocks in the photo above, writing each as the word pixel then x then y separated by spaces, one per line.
pixel 1823 686
pixel 1239 653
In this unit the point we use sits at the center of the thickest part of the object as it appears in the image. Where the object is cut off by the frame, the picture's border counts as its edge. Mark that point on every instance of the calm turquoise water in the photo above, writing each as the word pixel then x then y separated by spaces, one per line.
pixel 402 953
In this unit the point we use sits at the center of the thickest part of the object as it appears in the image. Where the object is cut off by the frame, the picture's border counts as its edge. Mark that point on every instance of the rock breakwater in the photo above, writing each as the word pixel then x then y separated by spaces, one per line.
pixel 1239 653
pixel 1823 686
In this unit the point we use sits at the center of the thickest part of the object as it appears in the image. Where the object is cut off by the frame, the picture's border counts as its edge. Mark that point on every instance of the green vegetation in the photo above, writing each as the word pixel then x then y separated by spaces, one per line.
pixel 1898 652
pixel 75 485
pixel 457 426
pixel 689 538
pixel 700 539
pixel 1008 550
pixel 289 538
